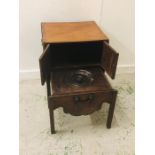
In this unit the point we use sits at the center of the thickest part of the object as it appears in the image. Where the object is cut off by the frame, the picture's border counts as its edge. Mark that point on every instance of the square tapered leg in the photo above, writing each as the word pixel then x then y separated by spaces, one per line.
pixel 111 110
pixel 51 112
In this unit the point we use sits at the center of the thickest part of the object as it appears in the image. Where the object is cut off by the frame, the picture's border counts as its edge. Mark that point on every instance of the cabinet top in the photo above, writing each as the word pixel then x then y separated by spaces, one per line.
pixel 61 32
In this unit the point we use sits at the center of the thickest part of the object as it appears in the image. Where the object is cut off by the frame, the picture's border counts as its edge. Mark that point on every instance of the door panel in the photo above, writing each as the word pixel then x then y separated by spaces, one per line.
pixel 44 64
pixel 109 60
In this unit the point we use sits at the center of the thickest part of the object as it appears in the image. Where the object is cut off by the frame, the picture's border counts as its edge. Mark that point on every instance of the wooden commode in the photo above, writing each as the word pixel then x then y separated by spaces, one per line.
pixel 75 57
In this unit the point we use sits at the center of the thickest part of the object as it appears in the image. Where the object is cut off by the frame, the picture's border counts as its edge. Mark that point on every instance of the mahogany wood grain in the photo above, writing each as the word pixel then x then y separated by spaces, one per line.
pixel 61 32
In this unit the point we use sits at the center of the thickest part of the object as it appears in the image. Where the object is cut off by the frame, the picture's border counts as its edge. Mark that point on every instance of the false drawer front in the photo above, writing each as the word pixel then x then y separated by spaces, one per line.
pixel 81 104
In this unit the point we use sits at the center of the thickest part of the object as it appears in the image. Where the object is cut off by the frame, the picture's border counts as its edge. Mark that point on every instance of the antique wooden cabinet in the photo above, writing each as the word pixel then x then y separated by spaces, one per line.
pixel 75 57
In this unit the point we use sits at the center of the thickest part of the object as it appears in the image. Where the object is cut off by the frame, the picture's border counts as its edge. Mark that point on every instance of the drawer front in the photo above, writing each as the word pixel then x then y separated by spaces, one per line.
pixel 81 104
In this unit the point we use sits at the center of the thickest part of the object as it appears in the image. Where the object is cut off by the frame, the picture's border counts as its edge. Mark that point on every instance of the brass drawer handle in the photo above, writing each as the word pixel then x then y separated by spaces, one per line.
pixel 89 98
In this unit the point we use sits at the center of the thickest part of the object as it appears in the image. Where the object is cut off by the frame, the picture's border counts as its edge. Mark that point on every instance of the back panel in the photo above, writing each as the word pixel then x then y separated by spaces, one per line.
pixel 68 54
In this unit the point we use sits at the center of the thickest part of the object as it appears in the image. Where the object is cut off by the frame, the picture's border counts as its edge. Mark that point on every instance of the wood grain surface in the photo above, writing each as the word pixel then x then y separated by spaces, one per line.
pixel 71 32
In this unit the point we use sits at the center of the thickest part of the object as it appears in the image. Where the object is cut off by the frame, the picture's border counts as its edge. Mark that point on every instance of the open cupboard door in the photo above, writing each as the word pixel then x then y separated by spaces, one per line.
pixel 109 60
pixel 44 62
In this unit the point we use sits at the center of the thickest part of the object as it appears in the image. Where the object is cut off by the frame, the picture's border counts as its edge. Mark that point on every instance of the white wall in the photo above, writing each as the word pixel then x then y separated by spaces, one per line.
pixel 116 18
pixel 118 24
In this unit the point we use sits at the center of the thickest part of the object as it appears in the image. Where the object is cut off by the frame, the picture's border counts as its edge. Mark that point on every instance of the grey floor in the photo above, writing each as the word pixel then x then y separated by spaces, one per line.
pixel 82 135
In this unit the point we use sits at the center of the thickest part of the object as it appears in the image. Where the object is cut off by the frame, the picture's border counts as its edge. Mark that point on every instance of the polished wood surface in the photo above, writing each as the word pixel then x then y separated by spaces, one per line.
pixel 71 32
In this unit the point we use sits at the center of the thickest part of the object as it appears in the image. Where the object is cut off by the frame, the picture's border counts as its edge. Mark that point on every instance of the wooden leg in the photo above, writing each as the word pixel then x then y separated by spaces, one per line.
pixel 51 111
pixel 111 110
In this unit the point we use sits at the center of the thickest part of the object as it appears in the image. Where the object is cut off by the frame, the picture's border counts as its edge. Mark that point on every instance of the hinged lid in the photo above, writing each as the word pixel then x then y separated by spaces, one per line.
pixel 71 32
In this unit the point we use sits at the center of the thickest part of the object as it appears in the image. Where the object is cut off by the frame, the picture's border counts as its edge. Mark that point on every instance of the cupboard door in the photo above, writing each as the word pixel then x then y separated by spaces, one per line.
pixel 44 64
pixel 109 59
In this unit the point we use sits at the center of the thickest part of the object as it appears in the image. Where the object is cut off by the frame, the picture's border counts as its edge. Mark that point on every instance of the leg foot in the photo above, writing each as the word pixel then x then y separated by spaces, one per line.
pixel 110 115
pixel 111 111
pixel 52 121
